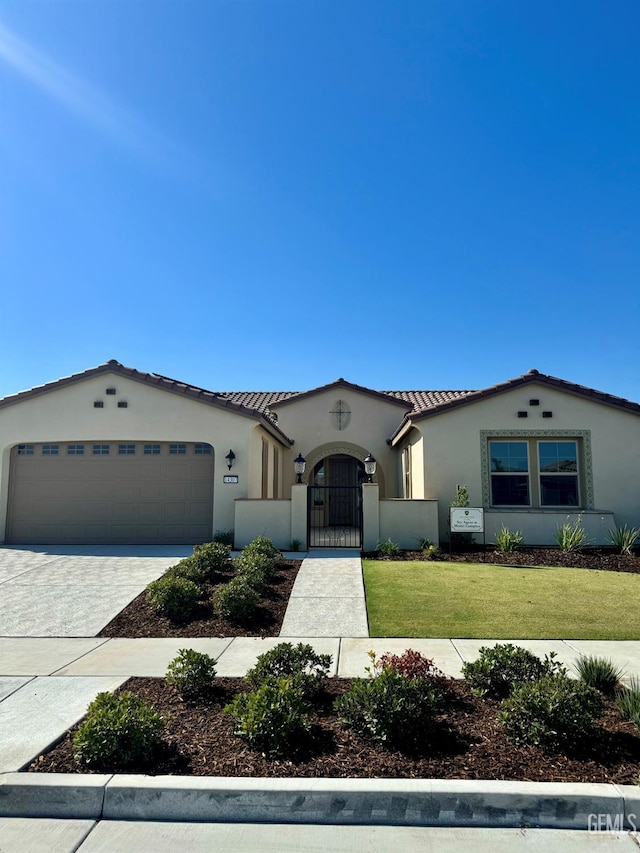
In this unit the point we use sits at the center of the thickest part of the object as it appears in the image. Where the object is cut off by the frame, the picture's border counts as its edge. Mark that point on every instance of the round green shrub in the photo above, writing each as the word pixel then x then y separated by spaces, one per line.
pixel 191 673
pixel 255 576
pixel 300 663
pixel 264 546
pixel 189 570
pixel 553 712
pixel 174 597
pixel 211 557
pixel 272 719
pixel 120 732
pixel 391 708
pixel 501 667
pixel 236 601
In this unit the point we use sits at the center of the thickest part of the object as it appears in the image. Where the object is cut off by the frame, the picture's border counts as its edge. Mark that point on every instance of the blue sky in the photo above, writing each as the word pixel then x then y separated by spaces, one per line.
pixel 270 194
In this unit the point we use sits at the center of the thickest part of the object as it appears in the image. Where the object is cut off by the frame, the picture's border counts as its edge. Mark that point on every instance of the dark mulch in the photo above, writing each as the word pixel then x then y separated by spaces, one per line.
pixel 470 744
pixel 140 619
pixel 592 558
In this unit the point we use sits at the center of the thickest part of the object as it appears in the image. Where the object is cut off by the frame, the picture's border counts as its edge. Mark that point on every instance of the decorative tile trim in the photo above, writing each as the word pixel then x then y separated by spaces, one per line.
pixel 587 462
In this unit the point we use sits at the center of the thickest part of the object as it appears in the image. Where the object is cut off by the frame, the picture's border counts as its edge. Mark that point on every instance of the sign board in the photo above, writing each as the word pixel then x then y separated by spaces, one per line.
pixel 230 478
pixel 466 519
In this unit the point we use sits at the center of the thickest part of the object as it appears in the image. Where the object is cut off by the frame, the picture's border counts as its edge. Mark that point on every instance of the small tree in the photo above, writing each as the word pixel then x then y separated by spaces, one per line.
pixel 461 498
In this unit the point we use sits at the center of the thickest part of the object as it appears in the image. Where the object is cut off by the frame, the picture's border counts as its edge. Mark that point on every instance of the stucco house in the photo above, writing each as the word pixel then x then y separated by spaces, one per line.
pixel 114 455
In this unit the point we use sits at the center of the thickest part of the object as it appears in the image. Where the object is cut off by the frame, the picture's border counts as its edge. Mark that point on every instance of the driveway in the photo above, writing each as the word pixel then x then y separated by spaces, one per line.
pixel 74 590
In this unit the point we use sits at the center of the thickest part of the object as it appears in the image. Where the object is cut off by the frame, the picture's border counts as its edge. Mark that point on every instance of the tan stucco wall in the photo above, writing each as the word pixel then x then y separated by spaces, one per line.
pixel 535 526
pixel 452 450
pixel 406 522
pixel 67 415
pixel 309 422
pixel 270 518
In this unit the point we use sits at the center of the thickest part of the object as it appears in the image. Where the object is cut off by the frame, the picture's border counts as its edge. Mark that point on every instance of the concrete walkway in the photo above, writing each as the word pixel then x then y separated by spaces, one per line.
pixel 327 599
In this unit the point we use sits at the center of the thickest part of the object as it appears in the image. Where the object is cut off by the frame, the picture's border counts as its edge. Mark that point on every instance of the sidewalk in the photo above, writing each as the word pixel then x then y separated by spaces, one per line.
pixel 327 599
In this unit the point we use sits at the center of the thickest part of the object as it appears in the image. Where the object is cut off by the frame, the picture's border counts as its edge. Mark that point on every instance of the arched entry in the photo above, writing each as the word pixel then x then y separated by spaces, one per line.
pixel 335 502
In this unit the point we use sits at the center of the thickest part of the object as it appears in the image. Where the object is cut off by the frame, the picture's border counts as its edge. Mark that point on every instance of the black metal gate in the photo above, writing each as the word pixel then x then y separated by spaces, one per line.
pixel 334 516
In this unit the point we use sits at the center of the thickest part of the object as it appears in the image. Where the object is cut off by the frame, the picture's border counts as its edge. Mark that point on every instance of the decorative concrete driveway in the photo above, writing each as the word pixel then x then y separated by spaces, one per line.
pixel 74 590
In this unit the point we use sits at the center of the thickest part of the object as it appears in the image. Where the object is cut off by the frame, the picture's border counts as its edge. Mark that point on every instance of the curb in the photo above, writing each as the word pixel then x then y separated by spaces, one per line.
pixel 392 802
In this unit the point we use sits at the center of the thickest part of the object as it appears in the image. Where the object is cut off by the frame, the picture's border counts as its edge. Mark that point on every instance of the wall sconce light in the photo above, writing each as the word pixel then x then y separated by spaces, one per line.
pixel 370 467
pixel 231 458
pixel 299 463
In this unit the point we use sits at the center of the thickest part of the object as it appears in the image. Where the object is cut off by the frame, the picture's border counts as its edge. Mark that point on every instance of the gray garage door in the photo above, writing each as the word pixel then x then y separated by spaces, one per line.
pixel 111 492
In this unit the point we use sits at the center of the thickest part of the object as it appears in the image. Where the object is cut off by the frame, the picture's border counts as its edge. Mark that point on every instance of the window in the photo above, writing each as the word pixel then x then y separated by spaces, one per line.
pixel 406 472
pixel 175 449
pixel 100 449
pixel 75 449
pixel 558 467
pixel 152 450
pixel 276 471
pixel 49 449
pixel 25 450
pixel 265 470
pixel 126 449
pixel 528 471
pixel 509 461
pixel 203 448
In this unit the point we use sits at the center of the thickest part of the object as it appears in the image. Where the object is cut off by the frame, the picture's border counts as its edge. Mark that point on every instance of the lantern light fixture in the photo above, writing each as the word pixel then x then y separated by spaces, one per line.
pixel 299 463
pixel 231 458
pixel 370 467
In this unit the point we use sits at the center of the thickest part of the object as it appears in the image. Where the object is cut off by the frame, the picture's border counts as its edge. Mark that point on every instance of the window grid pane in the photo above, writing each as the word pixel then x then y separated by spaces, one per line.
pixel 152 449
pixel 49 449
pixel 126 449
pixel 203 448
pixel 177 449
pixel 509 461
pixel 25 450
pixel 75 449
pixel 100 449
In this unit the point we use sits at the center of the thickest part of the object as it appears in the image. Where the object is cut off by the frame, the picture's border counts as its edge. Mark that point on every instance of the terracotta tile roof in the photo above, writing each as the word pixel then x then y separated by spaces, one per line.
pixel 421 400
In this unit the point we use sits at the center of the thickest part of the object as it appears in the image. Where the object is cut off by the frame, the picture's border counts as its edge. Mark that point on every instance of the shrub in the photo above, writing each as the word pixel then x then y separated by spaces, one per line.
pixel 424 542
pixel 210 557
pixel 254 575
pixel 461 498
pixel 503 666
pixel 391 708
pixel 236 601
pixel 431 552
pixel 623 538
pixel 225 537
pixel 507 540
pixel 264 546
pixel 191 673
pixel 295 545
pixel 628 701
pixel 387 548
pixel 410 664
pixel 188 569
pixel 120 732
pixel 572 537
pixel 551 712
pixel 174 597
pixel 273 718
pixel 600 673
pixel 300 663
pixel 255 561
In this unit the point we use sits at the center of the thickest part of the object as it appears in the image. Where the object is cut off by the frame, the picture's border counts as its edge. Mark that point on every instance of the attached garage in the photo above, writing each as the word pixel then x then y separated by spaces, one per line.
pixel 110 492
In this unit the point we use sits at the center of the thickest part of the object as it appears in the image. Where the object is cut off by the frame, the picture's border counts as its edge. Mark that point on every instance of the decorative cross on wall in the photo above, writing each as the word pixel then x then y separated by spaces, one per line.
pixel 341 414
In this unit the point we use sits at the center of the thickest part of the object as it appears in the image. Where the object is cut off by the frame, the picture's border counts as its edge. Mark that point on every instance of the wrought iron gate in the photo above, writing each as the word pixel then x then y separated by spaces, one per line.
pixel 334 516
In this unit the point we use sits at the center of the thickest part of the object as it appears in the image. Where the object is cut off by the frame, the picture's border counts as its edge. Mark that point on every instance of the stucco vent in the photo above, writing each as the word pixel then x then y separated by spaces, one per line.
pixel 547 414
pixel 98 404
pixel 111 391
pixel 523 414
pixel 122 404
pixel 534 402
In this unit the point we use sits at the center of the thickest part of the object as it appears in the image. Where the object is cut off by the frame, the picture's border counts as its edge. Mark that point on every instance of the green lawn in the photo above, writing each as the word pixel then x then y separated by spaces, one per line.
pixel 433 599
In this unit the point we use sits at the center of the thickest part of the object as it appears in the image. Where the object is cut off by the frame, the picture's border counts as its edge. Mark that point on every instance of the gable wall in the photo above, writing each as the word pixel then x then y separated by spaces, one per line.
pixel 310 423
pixel 452 455
pixel 66 414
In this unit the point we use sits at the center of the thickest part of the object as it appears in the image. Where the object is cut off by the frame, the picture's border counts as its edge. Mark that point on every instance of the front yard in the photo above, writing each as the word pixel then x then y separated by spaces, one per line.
pixel 480 600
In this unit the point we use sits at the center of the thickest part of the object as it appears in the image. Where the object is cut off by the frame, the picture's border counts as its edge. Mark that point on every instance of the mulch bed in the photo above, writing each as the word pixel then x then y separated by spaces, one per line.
pixel 470 744
pixel 140 619
pixel 599 559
